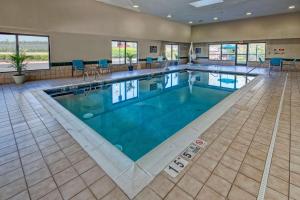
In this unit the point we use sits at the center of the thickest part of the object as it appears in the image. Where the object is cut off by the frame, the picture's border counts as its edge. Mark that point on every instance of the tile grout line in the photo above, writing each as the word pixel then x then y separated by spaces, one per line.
pixel 264 181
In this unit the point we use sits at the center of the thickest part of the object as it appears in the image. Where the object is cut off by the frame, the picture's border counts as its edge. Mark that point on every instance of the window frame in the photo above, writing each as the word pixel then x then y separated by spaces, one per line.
pixel 257 59
pixel 215 54
pixel 248 50
pixel 178 52
pixel 235 52
pixel 125 41
pixel 17 47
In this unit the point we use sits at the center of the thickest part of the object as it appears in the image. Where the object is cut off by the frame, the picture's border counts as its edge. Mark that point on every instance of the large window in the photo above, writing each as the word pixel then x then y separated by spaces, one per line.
pixel 256 51
pixel 120 51
pixel 215 52
pixel 242 53
pixel 228 52
pixel 37 47
pixel 172 51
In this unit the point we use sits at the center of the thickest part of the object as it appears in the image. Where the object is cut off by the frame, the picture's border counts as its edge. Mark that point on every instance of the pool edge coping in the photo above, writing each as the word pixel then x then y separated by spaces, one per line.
pixel 132 176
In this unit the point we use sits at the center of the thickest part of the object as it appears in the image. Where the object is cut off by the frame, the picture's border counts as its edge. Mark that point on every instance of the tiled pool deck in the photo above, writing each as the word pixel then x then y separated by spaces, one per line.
pixel 40 160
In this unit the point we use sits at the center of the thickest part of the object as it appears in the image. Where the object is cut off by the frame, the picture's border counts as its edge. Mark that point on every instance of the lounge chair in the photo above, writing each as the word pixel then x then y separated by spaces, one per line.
pixel 103 66
pixel 149 61
pixel 275 62
pixel 78 65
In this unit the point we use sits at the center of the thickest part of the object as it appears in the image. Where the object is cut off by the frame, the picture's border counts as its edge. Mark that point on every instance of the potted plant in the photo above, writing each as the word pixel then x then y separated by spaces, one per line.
pixel 130 56
pixel 18 62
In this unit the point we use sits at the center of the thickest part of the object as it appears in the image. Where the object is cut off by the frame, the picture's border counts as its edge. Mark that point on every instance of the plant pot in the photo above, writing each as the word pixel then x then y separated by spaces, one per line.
pixel 130 68
pixel 19 79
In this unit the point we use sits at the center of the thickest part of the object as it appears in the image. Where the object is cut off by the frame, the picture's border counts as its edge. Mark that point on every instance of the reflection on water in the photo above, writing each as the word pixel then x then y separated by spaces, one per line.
pixel 228 80
pixel 137 115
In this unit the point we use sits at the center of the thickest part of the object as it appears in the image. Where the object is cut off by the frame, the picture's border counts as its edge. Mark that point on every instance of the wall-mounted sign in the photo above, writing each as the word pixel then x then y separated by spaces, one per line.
pixel 153 49
pixel 279 51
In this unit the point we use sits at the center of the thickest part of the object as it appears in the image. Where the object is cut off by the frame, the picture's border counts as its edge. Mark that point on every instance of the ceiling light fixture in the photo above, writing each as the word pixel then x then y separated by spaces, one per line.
pixel 216 18
pixel 203 3
pixel 292 7
pixel 169 16
pixel 136 6
pixel 249 13
pixel 190 22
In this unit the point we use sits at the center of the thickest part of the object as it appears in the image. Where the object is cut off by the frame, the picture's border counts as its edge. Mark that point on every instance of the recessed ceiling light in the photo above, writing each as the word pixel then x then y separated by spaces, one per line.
pixel 249 13
pixel 216 18
pixel 190 22
pixel 203 3
pixel 169 16
pixel 292 7
pixel 135 6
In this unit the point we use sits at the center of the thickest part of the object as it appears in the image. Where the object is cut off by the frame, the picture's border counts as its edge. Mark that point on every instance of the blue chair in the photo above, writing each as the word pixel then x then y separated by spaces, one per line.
pixel 103 65
pixel 275 62
pixel 78 65
pixel 261 62
pixel 149 61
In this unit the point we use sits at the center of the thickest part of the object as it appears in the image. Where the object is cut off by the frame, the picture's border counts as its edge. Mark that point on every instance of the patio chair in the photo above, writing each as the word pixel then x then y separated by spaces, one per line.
pixel 78 65
pixel 149 61
pixel 261 62
pixel 104 66
pixel 275 62
pixel 160 60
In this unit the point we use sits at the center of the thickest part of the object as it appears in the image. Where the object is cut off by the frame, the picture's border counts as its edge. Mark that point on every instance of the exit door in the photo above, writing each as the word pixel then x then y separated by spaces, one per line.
pixel 241 54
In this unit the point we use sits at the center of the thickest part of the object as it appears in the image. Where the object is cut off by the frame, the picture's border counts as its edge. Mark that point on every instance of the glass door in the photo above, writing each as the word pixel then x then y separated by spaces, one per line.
pixel 241 54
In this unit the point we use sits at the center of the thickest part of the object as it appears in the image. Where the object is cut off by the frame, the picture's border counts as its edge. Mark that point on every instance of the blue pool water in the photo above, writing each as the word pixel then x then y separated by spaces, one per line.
pixel 137 115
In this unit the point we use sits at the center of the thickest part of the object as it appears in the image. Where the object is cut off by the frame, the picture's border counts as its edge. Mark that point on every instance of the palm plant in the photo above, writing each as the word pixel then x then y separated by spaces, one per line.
pixel 130 56
pixel 18 62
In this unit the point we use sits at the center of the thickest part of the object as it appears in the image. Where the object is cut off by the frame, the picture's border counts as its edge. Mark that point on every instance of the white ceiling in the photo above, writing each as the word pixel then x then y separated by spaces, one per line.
pixel 182 11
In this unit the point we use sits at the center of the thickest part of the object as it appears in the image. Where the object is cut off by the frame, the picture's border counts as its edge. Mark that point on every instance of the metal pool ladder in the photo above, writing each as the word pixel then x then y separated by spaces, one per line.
pixel 247 73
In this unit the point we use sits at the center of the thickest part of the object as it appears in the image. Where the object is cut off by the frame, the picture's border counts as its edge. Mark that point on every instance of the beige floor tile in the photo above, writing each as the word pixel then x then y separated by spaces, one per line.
pixel 294 191
pixel 225 172
pixel 71 188
pixel 39 190
pixel 84 195
pixel 178 194
pixel 278 185
pixel 54 195
pixel 237 193
pixel 207 193
pixel 37 176
pixel 59 166
pixel 279 173
pixel 21 196
pixel 219 185
pixel 251 172
pixel 103 186
pixel 295 179
pixel 147 194
pixel 295 168
pixel 207 162
pixel 11 177
pixel 65 176
pixel 116 194
pixel 54 157
pixel 10 166
pixel 190 185
pixel 247 184
pixel 199 173
pixel 274 195
pixel 92 175
pixel 12 189
pixel 84 165
pixel 231 162
pixel 161 185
